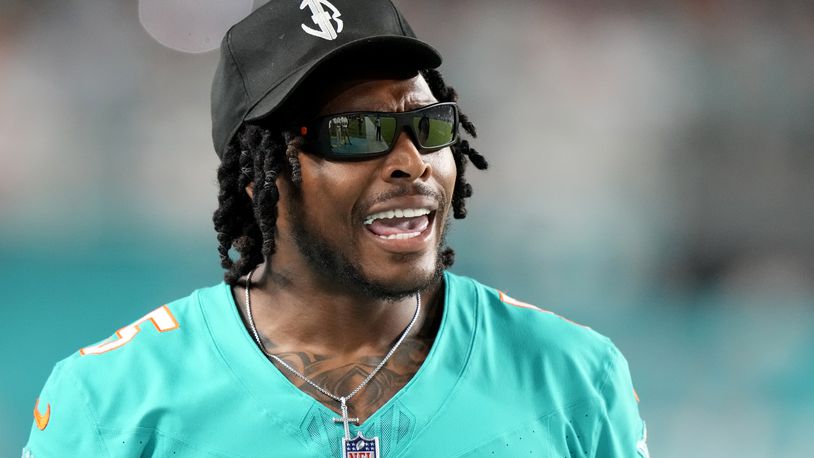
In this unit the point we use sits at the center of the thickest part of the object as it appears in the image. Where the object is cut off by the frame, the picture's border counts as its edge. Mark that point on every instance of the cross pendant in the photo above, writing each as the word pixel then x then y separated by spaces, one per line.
pixel 345 419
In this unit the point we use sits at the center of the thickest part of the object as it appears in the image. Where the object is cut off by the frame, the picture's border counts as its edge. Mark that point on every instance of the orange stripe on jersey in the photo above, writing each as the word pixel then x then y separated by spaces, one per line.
pixel 506 299
pixel 41 419
pixel 512 301
pixel 635 395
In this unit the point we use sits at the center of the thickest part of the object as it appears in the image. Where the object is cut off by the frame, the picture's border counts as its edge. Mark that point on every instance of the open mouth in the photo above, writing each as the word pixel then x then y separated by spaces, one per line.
pixel 399 223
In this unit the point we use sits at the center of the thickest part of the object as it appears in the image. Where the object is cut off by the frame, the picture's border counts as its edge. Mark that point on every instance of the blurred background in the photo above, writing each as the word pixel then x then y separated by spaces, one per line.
pixel 651 176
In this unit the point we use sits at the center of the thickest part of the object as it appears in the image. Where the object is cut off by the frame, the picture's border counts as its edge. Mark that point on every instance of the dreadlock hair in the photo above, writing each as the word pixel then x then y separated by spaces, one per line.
pixel 260 154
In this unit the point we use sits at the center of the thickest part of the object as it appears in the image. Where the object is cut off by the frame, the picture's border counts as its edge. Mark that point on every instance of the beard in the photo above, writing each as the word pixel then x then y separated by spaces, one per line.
pixel 329 261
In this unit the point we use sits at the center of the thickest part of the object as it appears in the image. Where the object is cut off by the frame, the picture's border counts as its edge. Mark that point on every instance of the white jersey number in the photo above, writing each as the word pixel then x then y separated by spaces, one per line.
pixel 161 318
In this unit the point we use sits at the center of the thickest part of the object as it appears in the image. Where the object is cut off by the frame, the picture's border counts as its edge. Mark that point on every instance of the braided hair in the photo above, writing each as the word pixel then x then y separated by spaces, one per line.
pixel 260 154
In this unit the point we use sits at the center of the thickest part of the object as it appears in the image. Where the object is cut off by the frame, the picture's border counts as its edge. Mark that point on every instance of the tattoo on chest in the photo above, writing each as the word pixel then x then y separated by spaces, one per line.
pixel 341 377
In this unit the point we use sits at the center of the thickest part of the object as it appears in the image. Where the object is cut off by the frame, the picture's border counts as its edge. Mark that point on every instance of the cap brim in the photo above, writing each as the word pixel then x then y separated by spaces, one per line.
pixel 389 50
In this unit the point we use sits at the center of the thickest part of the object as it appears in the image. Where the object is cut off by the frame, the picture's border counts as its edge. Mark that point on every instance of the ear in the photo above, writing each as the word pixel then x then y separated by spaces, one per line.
pixel 250 190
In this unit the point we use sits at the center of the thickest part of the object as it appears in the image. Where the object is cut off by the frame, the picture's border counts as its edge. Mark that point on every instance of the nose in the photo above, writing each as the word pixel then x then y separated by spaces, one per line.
pixel 405 162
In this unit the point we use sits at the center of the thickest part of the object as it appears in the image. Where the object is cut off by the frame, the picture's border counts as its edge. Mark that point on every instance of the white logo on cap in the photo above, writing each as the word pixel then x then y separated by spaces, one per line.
pixel 323 18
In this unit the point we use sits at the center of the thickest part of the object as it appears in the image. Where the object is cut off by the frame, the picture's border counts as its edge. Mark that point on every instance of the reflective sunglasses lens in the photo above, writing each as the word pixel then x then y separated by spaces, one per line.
pixel 360 134
pixel 435 126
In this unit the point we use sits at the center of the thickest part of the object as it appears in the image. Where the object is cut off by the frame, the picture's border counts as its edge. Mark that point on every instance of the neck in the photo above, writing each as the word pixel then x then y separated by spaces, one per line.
pixel 293 314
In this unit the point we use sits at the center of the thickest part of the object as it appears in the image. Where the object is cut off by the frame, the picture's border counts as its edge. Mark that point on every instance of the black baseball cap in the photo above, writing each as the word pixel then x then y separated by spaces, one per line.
pixel 268 55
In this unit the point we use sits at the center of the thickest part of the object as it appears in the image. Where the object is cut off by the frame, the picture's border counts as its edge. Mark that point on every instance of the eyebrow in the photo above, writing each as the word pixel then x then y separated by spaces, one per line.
pixel 409 106
pixel 416 104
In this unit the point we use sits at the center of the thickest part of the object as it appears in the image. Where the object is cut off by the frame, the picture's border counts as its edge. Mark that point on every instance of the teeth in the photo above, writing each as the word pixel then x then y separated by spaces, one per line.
pixel 397 213
pixel 406 236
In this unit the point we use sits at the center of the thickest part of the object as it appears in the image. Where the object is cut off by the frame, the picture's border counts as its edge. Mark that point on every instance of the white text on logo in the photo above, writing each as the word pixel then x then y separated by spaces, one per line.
pixel 323 18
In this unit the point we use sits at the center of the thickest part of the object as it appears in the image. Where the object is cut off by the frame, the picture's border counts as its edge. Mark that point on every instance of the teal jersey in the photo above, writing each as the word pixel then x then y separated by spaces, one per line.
pixel 503 379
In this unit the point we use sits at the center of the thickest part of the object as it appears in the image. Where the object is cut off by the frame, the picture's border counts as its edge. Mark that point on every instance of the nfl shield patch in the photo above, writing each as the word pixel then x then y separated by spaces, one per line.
pixel 360 447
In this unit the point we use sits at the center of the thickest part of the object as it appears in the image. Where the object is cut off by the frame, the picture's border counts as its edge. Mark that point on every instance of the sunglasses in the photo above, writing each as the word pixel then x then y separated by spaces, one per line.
pixel 366 134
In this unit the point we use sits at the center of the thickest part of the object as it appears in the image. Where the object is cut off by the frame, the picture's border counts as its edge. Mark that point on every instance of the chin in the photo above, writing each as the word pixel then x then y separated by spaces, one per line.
pixel 401 279
pixel 369 269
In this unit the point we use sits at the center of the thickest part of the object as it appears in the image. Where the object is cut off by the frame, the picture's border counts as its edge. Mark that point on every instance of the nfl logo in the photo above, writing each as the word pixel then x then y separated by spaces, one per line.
pixel 360 447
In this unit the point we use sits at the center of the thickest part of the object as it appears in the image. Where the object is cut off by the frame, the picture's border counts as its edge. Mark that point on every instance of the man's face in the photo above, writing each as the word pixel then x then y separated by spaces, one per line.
pixel 341 219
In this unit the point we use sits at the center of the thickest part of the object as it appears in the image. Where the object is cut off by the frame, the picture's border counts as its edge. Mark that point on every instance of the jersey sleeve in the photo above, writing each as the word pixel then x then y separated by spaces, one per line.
pixel 64 424
pixel 622 432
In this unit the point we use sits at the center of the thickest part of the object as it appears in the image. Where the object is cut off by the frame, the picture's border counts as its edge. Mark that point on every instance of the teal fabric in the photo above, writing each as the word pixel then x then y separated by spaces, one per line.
pixel 503 379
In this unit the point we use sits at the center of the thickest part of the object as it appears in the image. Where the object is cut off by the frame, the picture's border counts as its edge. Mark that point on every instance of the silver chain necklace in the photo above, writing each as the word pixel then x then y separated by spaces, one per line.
pixel 359 442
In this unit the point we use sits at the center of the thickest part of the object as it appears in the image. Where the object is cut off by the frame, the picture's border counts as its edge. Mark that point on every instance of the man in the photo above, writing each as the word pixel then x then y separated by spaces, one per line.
pixel 338 330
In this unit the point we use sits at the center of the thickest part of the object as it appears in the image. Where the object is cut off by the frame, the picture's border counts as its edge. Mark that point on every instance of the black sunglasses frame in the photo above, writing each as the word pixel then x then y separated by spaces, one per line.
pixel 318 137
